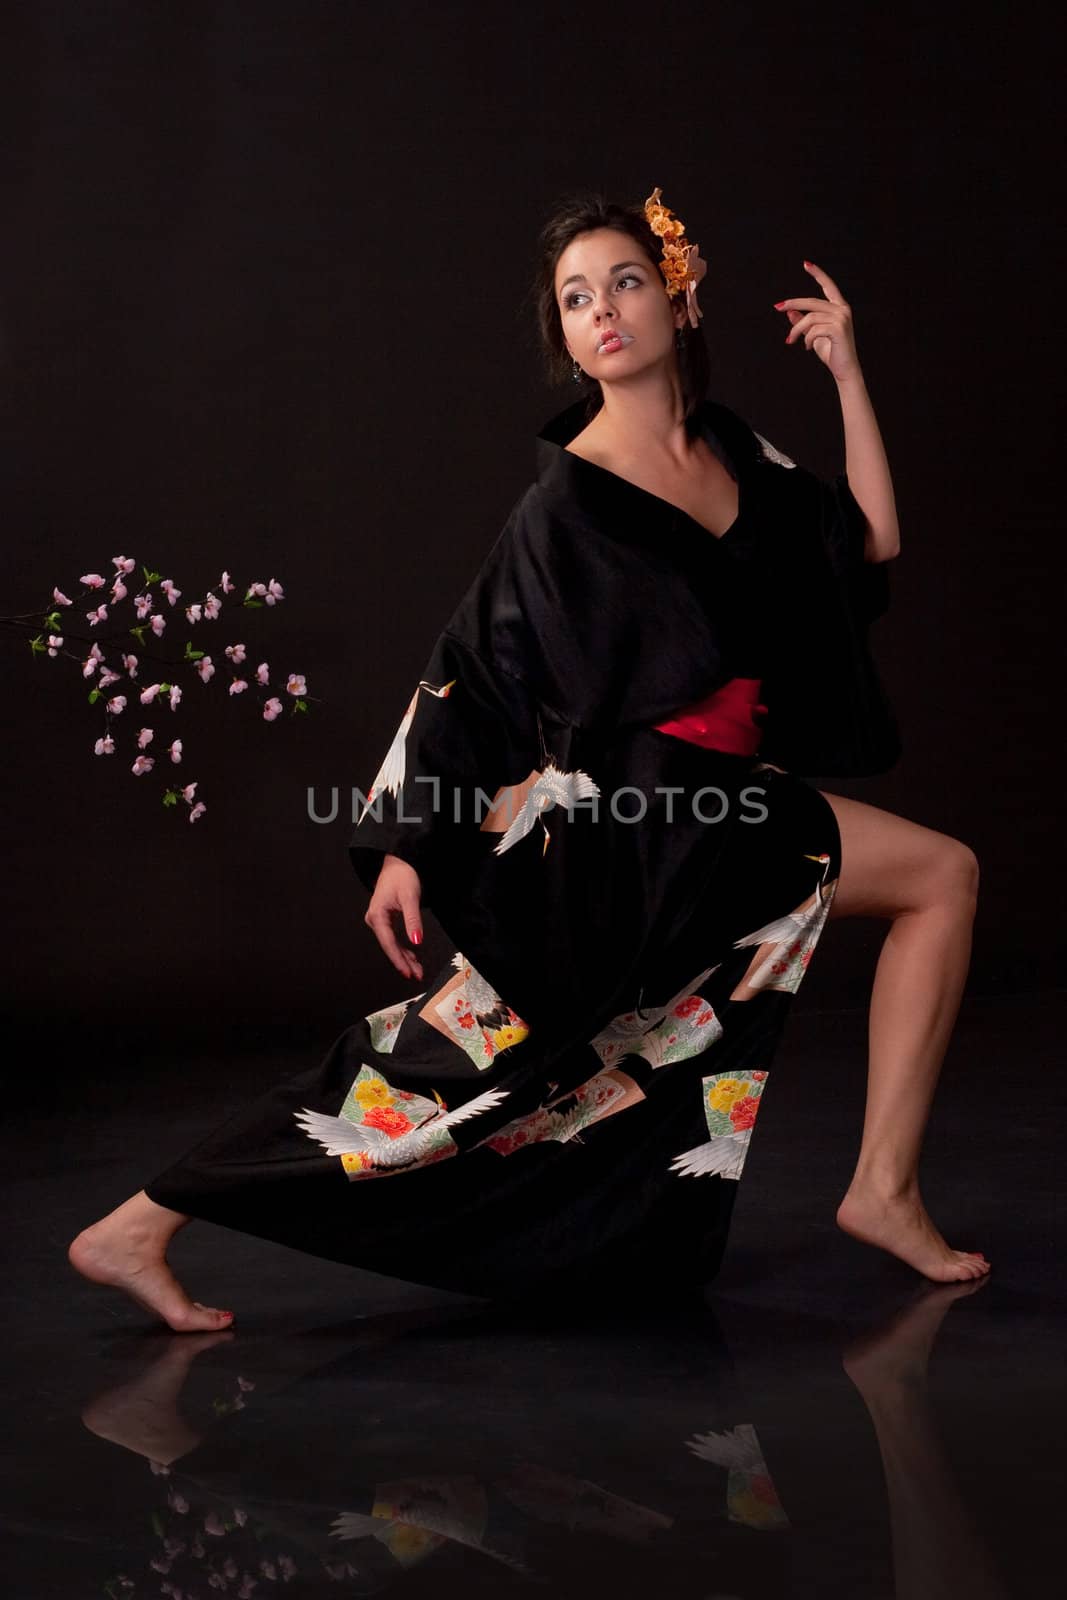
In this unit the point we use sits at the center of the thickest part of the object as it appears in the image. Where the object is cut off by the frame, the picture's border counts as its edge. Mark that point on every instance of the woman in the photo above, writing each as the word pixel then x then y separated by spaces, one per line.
pixel 570 1101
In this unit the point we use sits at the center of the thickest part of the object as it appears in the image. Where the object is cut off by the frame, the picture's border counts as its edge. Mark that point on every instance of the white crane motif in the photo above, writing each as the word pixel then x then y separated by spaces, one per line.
pixel 552 788
pixel 391 773
pixel 340 1137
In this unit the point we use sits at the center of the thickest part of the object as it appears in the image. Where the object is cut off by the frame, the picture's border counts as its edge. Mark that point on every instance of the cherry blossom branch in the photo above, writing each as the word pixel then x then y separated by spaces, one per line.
pixel 52 642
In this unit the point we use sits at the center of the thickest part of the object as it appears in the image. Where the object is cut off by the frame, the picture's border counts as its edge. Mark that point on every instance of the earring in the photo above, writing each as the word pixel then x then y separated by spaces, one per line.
pixel 576 372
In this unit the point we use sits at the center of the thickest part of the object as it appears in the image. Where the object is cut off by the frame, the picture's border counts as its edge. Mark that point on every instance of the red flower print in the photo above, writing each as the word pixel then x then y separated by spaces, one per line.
pixel 779 967
pixel 759 1076
pixel 685 1008
pixel 743 1112
pixel 806 957
pixel 763 1489
pixel 389 1120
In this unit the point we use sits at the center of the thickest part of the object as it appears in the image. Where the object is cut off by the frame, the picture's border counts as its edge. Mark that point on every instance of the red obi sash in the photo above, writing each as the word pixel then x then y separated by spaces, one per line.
pixel 724 720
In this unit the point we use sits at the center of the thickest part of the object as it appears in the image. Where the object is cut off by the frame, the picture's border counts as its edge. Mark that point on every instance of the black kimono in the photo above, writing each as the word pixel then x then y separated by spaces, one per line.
pixel 571 1098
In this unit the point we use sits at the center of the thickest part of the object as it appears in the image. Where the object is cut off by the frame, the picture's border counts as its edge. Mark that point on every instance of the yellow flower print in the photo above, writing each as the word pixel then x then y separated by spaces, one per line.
pixel 504 1038
pixel 373 1092
pixel 357 1161
pixel 726 1092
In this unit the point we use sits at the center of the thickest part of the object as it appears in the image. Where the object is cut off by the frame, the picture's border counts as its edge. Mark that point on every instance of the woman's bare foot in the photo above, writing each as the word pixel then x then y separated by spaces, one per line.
pixel 899 1223
pixel 128 1250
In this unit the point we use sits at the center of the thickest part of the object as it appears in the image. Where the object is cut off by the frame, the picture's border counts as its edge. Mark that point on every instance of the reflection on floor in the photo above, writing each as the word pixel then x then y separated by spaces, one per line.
pixel 824 1422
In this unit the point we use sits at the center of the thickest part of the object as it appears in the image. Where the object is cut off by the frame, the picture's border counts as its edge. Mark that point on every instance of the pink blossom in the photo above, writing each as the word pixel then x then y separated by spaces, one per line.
pixel 158 623
pixel 229 1567
pixel 117 704
pixel 123 563
pixel 169 590
pixel 297 684
pixel 92 580
pixel 144 738
pixel 269 1570
pixel 104 746
pixel 197 811
pixel 262 675
pixel 238 686
pixel 188 792
pixel 240 1515
pixel 216 1581
pixel 89 666
pixel 224 583
pixel 236 653
pixel 129 664
pixel 177 1501
pixel 248 1583
pixel 106 677
pixel 159 1565
pixel 142 765
pixel 174 750
pixel 99 615
pixel 149 694
pixel 175 696
pixel 255 588
pixel 245 1383
pixel 213 1524
pixel 272 709
pixel 118 590
pixel 275 592
pixel 288 1566
pixel 206 668
pixel 55 643
pixel 194 612
pixel 212 605
pixel 60 598
pixel 144 604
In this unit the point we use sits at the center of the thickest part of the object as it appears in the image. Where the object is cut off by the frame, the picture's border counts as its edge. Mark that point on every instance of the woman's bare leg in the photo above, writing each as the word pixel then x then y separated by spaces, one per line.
pixel 127 1249
pixel 926 883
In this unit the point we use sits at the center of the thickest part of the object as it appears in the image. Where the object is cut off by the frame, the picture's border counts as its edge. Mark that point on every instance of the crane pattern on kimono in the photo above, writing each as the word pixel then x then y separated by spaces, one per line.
pixel 382 1128
pixel 390 776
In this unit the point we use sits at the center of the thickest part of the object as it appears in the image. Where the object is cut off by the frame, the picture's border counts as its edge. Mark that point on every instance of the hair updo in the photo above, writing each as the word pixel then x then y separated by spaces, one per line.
pixel 582 213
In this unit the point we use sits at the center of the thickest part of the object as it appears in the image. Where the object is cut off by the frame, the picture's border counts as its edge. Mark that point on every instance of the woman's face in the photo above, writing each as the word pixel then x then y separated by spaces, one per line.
pixel 605 282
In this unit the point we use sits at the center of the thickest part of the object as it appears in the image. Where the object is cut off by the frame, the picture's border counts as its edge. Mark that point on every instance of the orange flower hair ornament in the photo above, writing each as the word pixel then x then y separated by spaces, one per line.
pixel 681 266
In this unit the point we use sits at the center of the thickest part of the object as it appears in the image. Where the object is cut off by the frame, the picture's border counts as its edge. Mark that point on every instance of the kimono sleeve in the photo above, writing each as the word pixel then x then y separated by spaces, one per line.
pixel 844 528
pixel 469 728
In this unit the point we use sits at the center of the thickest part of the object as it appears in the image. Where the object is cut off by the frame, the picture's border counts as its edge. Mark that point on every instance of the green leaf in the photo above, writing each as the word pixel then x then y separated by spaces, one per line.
pixel 170 798
pixel 94 695
pixel 151 577
pixel 191 654
pixel 300 705
pixel 252 602
pixel 138 634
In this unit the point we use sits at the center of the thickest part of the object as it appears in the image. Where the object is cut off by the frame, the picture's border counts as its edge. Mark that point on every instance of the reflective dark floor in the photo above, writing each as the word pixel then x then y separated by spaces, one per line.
pixel 825 1423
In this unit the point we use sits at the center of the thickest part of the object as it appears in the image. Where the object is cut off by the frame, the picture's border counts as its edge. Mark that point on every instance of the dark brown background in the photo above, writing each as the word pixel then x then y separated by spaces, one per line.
pixel 263 288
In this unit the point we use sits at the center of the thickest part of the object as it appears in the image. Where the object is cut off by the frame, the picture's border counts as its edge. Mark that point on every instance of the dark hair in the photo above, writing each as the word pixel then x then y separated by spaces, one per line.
pixel 578 213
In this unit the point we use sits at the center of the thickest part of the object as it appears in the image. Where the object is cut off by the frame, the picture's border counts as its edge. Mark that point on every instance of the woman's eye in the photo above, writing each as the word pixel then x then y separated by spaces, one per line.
pixel 627 276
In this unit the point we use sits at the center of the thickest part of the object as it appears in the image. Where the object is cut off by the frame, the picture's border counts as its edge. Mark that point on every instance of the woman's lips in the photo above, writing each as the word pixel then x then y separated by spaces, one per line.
pixel 615 342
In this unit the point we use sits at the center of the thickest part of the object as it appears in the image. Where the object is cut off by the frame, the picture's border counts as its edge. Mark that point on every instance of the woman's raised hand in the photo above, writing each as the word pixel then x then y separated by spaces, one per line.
pixel 398 890
pixel 825 324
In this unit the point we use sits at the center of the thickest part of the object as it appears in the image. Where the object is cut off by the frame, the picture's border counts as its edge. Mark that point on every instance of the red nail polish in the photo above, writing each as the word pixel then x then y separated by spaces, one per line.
pixel 778 304
pixel 416 937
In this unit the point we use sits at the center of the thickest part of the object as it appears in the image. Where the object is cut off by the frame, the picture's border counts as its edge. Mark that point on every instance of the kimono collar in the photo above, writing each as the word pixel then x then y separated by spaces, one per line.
pixel 564 476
